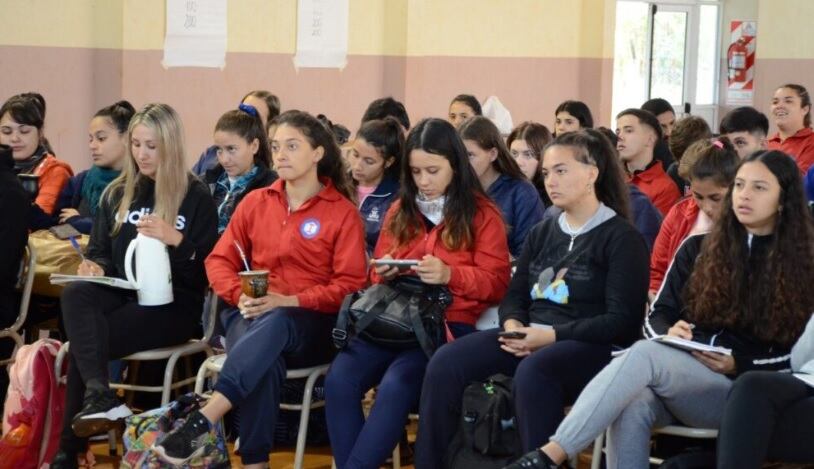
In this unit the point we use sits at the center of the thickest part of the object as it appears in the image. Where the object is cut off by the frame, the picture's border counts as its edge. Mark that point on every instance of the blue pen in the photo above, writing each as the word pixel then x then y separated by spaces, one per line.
pixel 76 246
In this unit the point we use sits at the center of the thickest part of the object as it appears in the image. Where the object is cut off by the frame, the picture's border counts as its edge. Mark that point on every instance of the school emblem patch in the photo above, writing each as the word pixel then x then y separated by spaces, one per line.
pixel 309 228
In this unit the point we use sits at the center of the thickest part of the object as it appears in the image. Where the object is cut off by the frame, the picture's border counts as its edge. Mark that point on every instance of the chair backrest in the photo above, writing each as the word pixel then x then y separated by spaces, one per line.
pixel 211 314
pixel 25 282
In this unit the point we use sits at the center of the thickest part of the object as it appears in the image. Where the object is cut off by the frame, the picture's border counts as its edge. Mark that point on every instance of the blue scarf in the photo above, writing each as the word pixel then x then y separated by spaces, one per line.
pixel 96 180
pixel 232 191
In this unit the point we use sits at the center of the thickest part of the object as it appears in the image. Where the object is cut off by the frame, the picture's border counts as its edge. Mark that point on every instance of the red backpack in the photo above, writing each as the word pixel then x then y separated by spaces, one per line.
pixel 35 404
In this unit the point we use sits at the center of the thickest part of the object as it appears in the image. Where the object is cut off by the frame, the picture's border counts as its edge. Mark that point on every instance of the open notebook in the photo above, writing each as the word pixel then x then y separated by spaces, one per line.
pixel 690 345
pixel 61 279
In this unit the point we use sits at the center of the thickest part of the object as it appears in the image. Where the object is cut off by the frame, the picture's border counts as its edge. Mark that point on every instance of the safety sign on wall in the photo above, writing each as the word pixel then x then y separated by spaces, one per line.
pixel 740 63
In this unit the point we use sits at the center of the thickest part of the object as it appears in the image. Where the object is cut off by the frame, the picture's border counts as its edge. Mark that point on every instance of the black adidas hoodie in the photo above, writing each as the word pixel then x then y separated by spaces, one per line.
pixel 14 205
pixel 197 220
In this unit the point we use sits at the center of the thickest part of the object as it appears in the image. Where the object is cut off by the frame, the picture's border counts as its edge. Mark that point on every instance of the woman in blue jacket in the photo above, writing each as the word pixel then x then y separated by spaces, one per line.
pixel 374 162
pixel 502 179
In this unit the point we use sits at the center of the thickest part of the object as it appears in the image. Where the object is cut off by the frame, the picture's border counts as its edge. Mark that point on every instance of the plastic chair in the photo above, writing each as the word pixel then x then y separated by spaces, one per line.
pixel 674 430
pixel 213 365
pixel 25 281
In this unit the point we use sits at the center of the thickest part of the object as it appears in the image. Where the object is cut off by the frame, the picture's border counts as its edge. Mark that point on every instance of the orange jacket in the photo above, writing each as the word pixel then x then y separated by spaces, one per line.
pixel 53 175
pixel 479 275
pixel 800 146
pixel 316 252
pixel 657 185
pixel 676 226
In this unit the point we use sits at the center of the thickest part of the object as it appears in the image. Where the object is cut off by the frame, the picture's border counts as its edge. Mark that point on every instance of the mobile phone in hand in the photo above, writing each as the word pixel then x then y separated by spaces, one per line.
pixel 512 334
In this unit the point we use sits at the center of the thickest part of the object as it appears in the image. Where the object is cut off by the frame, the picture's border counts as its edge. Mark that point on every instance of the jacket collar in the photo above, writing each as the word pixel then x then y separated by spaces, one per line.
pixel 328 192
pixel 386 187
pixel 802 133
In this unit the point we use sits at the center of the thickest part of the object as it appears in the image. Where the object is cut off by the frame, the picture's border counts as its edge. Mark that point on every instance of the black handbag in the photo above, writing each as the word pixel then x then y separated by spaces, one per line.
pixel 402 314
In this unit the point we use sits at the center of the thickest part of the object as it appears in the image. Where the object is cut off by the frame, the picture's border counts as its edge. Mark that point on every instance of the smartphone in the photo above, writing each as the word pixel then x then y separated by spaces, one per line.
pixel 402 264
pixel 512 334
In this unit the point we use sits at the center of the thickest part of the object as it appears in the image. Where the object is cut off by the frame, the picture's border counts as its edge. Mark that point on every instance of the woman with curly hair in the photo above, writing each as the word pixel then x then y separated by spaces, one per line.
pixel 738 288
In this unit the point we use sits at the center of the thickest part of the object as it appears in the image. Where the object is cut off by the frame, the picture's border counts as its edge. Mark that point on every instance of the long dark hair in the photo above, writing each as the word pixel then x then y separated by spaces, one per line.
pixel 386 137
pixel 249 127
pixel 579 110
pixel 769 302
pixel 536 136
pixel 482 131
pixel 592 147
pixel 28 109
pixel 439 137
pixel 318 135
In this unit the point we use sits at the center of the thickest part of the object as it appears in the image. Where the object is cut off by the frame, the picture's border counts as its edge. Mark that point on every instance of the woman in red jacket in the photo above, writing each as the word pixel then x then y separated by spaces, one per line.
pixel 444 220
pixel 710 175
pixel 307 233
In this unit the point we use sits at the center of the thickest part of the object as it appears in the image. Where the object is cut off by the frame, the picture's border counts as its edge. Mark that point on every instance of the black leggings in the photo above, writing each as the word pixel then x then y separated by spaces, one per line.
pixel 105 323
pixel 768 416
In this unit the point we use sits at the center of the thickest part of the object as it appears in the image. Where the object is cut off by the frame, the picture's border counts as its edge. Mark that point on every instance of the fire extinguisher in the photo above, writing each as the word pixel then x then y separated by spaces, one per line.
pixel 736 60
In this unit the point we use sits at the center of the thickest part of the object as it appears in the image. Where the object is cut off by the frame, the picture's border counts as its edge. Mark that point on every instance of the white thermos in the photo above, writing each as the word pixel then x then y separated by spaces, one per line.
pixel 154 282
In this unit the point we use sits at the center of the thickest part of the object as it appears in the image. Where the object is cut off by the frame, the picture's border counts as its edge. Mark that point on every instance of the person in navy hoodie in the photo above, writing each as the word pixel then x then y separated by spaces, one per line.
pixel 502 179
pixel 374 162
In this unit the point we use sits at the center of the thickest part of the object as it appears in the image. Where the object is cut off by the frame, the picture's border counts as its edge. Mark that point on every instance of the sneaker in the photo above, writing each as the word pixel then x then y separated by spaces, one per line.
pixel 101 412
pixel 64 460
pixel 533 460
pixel 185 442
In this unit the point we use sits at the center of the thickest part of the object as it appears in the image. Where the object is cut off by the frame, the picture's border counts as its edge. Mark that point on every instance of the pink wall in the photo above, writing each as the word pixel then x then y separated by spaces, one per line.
pixel 771 73
pixel 77 82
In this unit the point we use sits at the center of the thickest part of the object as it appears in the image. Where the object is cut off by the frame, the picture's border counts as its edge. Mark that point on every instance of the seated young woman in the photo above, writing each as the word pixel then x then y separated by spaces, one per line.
pixel 502 179
pixel 157 197
pixel 306 232
pixel 710 175
pixel 78 202
pixel 738 288
pixel 526 144
pixel 22 118
pixel 243 161
pixel 444 220
pixel 463 107
pixel 571 116
pixel 375 161
pixel 580 288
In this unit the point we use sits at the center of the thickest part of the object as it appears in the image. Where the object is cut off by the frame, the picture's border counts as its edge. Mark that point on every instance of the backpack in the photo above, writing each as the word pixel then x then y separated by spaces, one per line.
pixel 34 407
pixel 143 430
pixel 487 436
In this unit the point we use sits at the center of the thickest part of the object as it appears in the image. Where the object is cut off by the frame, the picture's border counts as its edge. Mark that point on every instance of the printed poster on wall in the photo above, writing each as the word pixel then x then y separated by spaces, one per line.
pixel 322 34
pixel 196 34
pixel 740 62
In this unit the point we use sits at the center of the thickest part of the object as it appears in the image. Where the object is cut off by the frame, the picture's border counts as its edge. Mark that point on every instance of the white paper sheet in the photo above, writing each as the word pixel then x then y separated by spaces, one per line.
pixel 196 34
pixel 322 34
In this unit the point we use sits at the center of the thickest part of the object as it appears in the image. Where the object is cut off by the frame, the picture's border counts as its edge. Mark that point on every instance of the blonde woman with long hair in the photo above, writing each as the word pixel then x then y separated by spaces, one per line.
pixel 157 197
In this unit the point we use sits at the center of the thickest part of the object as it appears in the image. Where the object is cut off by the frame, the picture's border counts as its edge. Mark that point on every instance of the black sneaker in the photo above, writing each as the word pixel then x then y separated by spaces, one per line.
pixel 185 442
pixel 100 413
pixel 64 460
pixel 533 460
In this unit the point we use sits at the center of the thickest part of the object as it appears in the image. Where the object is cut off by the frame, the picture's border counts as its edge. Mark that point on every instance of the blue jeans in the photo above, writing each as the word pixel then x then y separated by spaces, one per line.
pixel 357 443
pixel 259 352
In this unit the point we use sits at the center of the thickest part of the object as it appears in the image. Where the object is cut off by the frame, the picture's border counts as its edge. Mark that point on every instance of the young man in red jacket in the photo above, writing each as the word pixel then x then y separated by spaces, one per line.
pixel 638 132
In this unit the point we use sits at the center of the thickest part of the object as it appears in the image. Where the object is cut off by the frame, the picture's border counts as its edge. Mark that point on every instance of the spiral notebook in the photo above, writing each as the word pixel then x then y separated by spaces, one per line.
pixel 690 345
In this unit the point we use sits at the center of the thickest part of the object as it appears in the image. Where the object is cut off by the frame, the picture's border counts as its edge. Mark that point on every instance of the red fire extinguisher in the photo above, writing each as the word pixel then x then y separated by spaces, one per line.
pixel 736 60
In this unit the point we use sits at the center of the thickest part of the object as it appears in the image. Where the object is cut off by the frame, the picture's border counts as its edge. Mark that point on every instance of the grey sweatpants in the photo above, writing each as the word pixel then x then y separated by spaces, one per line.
pixel 650 385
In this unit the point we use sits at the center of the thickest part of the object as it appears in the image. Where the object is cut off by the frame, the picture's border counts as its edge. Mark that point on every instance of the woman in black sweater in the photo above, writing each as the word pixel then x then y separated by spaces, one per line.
pixel 737 288
pixel 580 288
pixel 157 197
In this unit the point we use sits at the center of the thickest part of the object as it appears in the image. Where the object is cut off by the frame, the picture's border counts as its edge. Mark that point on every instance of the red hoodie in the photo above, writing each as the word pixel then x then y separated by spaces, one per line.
pixel 479 275
pixel 674 228
pixel 800 146
pixel 657 185
pixel 316 252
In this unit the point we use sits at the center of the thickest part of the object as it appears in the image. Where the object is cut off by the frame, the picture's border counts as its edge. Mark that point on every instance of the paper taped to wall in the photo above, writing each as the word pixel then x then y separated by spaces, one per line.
pixel 196 34
pixel 322 34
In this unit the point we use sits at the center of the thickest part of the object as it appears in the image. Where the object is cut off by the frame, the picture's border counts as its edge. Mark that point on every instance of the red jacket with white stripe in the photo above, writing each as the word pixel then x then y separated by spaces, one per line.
pixel 676 226
pixel 479 275
pixel 316 252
